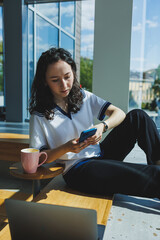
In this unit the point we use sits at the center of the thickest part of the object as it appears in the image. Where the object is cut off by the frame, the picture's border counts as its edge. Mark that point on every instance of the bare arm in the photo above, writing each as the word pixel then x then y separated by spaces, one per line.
pixel 116 116
pixel 70 146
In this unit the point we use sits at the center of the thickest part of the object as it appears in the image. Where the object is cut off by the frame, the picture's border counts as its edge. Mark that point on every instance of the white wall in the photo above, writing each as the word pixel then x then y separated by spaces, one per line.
pixel 112 51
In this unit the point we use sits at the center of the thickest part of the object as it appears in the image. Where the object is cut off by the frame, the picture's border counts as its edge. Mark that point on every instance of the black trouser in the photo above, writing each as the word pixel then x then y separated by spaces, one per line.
pixel 109 174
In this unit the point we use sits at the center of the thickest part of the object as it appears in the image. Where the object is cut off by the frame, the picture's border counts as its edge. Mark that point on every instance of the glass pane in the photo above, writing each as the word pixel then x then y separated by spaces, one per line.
pixel 136 71
pixel 46 36
pixel 1 81
pixel 1 60
pixel 30 55
pixel 145 58
pixel 68 16
pixel 67 43
pixel 31 50
pixel 87 44
pixel 87 29
pixel 50 10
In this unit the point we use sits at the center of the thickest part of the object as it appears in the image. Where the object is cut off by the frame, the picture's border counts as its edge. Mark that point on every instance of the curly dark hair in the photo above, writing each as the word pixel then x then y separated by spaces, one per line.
pixel 42 99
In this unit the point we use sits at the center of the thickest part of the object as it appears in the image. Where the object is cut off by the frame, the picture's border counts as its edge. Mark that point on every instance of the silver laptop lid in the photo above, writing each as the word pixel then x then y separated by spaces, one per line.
pixel 31 221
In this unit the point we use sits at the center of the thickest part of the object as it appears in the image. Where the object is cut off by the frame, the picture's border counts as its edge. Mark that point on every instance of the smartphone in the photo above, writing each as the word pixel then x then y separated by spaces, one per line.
pixel 86 134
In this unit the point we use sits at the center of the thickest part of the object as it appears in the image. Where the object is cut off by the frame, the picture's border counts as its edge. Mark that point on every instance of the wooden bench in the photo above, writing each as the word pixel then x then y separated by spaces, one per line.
pixel 11 144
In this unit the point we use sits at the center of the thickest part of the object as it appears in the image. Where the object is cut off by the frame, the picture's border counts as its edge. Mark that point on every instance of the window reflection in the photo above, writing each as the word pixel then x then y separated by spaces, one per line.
pixel 46 36
pixel 68 16
pixel 50 10
pixel 144 88
pixel 30 55
pixel 1 61
pixel 1 80
pixel 31 48
pixel 67 43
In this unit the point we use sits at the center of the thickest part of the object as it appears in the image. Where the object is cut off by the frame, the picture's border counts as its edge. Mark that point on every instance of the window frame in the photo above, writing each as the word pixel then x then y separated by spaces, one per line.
pixel 36 13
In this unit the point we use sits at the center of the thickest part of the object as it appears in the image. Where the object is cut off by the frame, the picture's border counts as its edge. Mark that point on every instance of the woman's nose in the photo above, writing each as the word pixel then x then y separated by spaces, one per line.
pixel 63 83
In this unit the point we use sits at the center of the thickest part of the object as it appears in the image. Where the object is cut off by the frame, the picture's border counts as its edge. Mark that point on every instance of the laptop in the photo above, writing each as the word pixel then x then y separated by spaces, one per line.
pixel 38 221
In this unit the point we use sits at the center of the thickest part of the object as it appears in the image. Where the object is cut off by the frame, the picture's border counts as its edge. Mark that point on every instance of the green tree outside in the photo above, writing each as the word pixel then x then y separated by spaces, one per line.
pixel 1 46
pixel 86 73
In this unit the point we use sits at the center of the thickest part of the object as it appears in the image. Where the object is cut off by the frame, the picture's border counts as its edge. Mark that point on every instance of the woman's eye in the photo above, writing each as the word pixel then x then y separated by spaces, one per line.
pixel 55 80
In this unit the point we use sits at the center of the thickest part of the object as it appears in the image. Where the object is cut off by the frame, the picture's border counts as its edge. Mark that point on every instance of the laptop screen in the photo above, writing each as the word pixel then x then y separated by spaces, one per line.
pixel 30 220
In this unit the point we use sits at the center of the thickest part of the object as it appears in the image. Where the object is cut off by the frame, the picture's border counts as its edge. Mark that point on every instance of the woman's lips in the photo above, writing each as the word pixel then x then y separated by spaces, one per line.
pixel 65 91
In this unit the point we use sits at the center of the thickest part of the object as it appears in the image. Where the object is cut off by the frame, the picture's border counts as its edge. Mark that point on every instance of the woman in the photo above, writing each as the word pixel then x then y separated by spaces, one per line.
pixel 60 111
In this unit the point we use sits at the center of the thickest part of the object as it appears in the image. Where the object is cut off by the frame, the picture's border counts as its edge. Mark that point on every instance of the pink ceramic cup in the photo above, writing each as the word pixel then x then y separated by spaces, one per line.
pixel 30 159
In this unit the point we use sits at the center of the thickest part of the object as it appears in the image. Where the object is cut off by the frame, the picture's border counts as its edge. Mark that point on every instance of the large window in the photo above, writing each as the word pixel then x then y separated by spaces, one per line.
pixel 144 90
pixel 1 60
pixel 49 25
pixel 46 36
pixel 30 51
pixel 68 17
pixel 50 10
pixel 87 44
pixel 67 43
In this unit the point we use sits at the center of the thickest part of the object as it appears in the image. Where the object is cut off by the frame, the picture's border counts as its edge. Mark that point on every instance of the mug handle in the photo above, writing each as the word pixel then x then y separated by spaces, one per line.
pixel 44 159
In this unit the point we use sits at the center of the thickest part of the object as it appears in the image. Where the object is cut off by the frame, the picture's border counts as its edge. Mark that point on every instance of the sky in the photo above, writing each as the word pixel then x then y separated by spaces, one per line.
pixel 0 23
pixel 87 28
pixel 145 44
pixel 145 38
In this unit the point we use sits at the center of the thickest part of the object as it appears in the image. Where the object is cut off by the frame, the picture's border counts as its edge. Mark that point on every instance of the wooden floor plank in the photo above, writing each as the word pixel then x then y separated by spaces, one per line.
pixel 6 194
pixel 62 195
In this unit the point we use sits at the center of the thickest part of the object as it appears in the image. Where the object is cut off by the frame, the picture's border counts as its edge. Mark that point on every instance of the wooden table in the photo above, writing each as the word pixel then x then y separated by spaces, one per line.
pixel 43 172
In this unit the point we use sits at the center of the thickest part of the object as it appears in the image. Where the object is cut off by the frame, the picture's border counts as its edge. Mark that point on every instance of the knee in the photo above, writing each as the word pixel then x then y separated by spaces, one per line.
pixel 138 117
pixel 138 113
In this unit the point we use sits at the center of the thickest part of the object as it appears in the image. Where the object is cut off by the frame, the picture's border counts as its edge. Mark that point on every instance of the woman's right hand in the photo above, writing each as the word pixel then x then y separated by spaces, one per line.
pixel 75 147
pixel 70 146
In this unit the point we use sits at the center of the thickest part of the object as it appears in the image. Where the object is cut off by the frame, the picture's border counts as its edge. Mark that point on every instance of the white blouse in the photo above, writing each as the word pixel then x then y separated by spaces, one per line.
pixel 50 134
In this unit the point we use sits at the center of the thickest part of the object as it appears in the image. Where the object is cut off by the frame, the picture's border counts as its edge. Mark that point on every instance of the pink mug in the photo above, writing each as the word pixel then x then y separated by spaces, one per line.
pixel 30 159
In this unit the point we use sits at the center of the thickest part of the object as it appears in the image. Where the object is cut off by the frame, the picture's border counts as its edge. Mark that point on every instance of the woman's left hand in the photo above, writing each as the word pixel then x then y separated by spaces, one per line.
pixel 97 136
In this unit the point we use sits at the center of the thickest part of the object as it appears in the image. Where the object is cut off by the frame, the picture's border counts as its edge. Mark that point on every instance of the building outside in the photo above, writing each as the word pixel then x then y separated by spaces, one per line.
pixel 140 90
pixel 145 54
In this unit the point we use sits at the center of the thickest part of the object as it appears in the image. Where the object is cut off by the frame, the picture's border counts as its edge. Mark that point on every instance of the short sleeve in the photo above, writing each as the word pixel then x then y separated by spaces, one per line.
pixel 98 105
pixel 37 134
